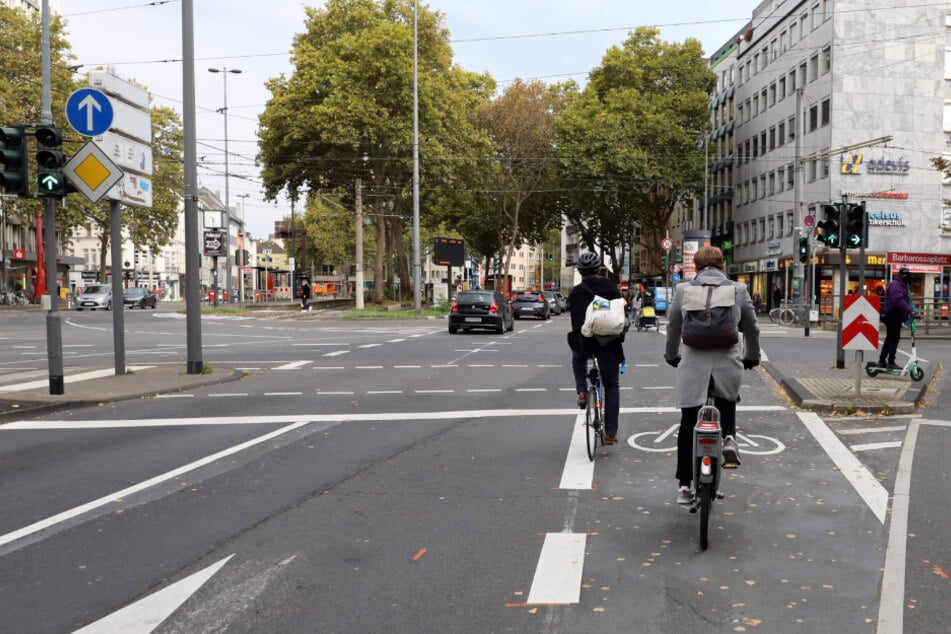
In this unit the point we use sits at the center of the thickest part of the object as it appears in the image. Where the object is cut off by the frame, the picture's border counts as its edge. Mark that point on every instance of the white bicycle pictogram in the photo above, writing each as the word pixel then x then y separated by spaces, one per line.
pixel 665 440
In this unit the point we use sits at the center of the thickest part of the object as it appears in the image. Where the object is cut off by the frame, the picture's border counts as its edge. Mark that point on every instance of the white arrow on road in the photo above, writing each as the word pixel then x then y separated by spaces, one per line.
pixel 90 103
pixel 147 614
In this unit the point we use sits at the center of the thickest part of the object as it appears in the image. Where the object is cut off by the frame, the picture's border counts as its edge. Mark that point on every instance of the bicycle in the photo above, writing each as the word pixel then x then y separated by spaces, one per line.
pixel 788 314
pixel 707 463
pixel 594 410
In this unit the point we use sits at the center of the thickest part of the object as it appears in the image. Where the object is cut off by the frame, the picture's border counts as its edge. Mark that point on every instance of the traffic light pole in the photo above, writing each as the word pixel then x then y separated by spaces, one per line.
pixel 843 286
pixel 118 312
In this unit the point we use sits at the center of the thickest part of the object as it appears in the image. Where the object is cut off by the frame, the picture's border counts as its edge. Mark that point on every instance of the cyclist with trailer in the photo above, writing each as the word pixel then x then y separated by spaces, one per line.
pixel 696 366
pixel 609 355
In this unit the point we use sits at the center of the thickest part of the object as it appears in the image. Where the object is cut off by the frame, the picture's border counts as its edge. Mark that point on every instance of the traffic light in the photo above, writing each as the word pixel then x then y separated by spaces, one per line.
pixel 829 226
pixel 15 172
pixel 50 180
pixel 804 250
pixel 856 232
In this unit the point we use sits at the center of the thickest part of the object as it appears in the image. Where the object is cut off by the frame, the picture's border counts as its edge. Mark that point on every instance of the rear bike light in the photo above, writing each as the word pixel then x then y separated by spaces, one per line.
pixel 707 441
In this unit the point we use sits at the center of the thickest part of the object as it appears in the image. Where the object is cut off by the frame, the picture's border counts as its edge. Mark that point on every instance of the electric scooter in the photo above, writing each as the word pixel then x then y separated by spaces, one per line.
pixel 911 368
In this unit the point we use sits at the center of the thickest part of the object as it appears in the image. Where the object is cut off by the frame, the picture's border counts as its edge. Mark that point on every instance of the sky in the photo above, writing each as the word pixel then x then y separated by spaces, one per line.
pixel 551 40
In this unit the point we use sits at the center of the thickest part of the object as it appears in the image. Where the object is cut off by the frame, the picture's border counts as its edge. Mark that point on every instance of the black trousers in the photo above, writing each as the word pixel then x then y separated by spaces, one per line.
pixel 892 337
pixel 688 420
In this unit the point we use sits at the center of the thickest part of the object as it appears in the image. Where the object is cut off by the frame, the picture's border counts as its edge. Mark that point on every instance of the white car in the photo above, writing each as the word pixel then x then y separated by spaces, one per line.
pixel 95 296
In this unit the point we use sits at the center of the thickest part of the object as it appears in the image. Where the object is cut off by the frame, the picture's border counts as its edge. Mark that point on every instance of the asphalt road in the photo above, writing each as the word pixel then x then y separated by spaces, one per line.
pixel 388 476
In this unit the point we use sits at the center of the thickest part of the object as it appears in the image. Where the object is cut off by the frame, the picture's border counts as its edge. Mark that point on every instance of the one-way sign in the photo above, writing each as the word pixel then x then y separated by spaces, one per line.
pixel 216 243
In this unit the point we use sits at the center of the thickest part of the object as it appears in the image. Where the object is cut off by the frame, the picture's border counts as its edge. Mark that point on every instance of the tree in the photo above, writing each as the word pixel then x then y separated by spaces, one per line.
pixel 630 142
pixel 346 112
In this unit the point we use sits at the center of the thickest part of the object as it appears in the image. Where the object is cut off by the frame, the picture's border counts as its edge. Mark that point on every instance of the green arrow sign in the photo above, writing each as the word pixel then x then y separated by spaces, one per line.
pixel 51 182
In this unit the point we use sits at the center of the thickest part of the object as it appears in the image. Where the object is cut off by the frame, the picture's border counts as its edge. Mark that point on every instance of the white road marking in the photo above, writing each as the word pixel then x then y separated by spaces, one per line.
pixel 227 394
pixel 445 365
pixel 513 365
pixel 406 367
pixel 661 387
pixel 396 340
pixel 368 367
pixel 141 486
pixel 337 343
pixel 385 392
pixel 530 389
pixel 283 393
pixel 872 446
pixel 435 391
pixel 175 396
pixel 578 472
pixel 872 430
pixel 73 378
pixel 293 365
pixel 337 353
pixel 146 614
pixel 481 365
pixel 248 369
pixel 864 483
pixel 329 367
pixel 558 574
pixel 370 345
pixel 319 393
pixel 486 389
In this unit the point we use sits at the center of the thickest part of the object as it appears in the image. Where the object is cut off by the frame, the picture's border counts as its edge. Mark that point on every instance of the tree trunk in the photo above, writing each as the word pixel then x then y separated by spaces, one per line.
pixel 379 268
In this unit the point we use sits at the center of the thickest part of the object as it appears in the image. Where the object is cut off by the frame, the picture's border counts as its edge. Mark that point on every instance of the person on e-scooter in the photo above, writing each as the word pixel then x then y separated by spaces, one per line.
pixel 898 309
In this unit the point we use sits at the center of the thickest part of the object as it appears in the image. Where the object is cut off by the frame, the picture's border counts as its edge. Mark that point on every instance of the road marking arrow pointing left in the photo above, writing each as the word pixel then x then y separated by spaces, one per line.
pixel 148 613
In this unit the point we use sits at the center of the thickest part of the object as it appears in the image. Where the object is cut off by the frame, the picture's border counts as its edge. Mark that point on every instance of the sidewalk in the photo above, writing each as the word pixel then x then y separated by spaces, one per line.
pixel 29 395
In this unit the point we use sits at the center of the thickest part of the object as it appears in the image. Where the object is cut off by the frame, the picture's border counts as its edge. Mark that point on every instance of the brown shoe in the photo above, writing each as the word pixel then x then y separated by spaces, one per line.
pixel 582 400
pixel 610 440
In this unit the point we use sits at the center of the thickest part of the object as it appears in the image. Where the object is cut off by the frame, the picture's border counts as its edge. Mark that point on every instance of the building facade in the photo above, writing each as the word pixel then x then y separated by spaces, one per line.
pixel 829 101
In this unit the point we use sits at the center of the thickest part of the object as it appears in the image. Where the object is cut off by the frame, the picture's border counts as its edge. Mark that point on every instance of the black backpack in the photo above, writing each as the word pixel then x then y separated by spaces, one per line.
pixel 708 316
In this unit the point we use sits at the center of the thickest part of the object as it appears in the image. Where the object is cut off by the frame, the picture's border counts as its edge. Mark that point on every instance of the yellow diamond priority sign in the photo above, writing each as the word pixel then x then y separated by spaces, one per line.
pixel 92 172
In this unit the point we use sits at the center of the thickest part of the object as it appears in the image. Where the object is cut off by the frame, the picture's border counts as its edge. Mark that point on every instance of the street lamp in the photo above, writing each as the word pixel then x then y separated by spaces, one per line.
pixel 224 112
pixel 240 254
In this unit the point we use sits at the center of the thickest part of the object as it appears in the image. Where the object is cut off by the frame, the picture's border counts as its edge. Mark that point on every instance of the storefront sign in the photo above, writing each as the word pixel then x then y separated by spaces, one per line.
pixel 886 219
pixel 770 265
pixel 856 164
pixel 750 267
pixel 891 195
pixel 773 244
pixel 937 259
pixel 917 268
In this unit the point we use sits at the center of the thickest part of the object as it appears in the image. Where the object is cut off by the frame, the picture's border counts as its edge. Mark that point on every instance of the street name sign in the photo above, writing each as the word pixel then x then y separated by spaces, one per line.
pixel 860 322
pixel 89 111
pixel 92 172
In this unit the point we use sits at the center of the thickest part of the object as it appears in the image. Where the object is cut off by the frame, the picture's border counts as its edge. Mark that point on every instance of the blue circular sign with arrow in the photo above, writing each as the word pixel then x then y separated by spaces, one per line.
pixel 89 112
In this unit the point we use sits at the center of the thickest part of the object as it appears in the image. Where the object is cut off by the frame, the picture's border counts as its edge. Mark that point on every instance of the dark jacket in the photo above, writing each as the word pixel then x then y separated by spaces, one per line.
pixel 896 299
pixel 579 299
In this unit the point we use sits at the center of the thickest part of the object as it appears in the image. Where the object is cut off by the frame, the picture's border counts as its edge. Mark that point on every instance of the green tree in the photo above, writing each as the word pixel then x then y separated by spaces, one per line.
pixel 630 142
pixel 346 112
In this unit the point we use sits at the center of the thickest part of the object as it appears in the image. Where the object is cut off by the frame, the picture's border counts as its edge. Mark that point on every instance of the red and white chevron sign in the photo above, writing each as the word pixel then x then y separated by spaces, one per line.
pixel 860 322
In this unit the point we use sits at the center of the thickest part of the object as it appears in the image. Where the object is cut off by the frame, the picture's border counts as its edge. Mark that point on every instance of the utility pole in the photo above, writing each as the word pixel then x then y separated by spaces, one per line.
pixel 192 246
pixel 358 256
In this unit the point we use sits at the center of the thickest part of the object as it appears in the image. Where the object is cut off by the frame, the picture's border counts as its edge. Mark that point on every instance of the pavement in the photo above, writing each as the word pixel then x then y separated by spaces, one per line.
pixel 812 384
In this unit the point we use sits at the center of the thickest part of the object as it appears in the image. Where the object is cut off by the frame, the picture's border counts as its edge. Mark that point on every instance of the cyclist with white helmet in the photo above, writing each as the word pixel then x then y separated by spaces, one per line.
pixel 609 356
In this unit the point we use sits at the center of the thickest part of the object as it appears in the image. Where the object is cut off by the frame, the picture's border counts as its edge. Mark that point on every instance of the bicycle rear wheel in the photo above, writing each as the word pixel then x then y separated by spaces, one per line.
pixel 592 423
pixel 705 499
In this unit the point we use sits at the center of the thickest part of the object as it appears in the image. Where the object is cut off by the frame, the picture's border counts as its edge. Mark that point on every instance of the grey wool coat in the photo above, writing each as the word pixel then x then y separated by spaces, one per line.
pixel 724 365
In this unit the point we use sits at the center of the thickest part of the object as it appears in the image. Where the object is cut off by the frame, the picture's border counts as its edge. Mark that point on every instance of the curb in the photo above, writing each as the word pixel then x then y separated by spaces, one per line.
pixel 46 407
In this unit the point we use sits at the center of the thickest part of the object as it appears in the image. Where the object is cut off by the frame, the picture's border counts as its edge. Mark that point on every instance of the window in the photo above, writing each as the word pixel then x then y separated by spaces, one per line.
pixel 779 225
pixel 762 99
pixel 789 222
pixel 813 118
pixel 749 110
pixel 755 105
pixel 816 16
pixel 792 128
pixel 782 87
pixel 828 8
pixel 781 133
pixel 755 147
pixel 783 41
pixel 826 59
pixel 772 95
pixel 762 143
pixel 824 167
pixel 772 139
pixel 754 191
pixel 814 67
pixel 773 50
pixel 792 34
pixel 781 179
pixel 762 186
pixel 825 113
pixel 772 183
pixel 772 228
pixel 762 229
pixel 757 63
pixel 812 171
pixel 792 81
pixel 740 113
pixel 803 25
pixel 802 75
pixel 749 155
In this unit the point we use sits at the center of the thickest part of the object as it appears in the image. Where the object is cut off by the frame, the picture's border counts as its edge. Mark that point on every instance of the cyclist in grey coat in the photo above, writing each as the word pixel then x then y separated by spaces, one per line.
pixel 695 367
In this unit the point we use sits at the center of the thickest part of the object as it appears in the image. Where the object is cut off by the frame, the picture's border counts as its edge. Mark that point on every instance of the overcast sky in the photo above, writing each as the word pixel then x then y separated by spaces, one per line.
pixel 562 39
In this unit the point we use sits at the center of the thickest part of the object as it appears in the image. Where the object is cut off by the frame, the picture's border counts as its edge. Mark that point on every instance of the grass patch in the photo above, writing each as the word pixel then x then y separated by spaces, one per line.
pixel 207 368
pixel 438 311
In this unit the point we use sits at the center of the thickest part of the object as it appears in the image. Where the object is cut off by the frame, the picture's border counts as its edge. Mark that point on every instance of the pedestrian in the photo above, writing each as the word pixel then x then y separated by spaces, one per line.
pixel 609 356
pixel 757 303
pixel 696 367
pixel 898 308
pixel 777 296
pixel 304 294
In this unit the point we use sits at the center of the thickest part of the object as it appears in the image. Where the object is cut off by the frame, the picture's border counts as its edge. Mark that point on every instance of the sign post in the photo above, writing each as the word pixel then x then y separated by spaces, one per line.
pixel 860 329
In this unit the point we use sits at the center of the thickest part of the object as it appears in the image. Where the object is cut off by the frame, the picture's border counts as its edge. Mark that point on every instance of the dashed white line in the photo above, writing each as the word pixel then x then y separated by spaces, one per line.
pixel 435 391
pixel 872 430
pixel 283 393
pixel 227 395
pixel 175 396
pixel 530 389
pixel 558 574
pixel 407 367
pixel 293 365
pixel 368 367
pixel 337 353
pixel 396 340
pixel 370 345
pixel 334 393
pixel 578 472
pixel 329 367
pixel 872 446
pixel 385 392
pixel 489 389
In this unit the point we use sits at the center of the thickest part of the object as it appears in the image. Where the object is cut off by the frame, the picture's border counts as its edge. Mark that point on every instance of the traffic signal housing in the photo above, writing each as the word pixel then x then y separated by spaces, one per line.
pixel 15 169
pixel 50 159
pixel 829 232
pixel 803 250
pixel 856 226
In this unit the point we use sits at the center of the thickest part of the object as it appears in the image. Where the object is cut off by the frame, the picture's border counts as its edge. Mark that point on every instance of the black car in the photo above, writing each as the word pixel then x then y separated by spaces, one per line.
pixel 531 305
pixel 138 297
pixel 480 309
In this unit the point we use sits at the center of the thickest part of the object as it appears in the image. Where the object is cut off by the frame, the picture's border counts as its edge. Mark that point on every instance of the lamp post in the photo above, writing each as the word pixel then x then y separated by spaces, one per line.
pixel 240 253
pixel 224 112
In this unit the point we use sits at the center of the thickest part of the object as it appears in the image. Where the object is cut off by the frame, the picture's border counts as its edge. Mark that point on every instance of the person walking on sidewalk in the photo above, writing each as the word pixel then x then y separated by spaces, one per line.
pixel 898 309
pixel 304 294
pixel 697 366
pixel 609 356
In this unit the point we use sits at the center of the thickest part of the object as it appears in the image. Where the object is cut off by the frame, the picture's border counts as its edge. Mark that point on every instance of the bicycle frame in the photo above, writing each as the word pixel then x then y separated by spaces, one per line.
pixel 707 447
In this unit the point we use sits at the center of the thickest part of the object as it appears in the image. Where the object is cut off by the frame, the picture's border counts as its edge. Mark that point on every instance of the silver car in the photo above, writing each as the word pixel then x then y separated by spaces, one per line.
pixel 95 296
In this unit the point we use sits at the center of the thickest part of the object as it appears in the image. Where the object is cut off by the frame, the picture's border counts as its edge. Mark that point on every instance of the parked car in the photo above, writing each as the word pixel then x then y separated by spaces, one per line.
pixel 529 304
pixel 481 309
pixel 562 301
pixel 553 304
pixel 138 297
pixel 95 296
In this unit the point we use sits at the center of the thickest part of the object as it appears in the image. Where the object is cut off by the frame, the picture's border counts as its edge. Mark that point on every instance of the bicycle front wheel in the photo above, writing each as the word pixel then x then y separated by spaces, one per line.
pixel 705 499
pixel 592 423
pixel 787 317
pixel 774 315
